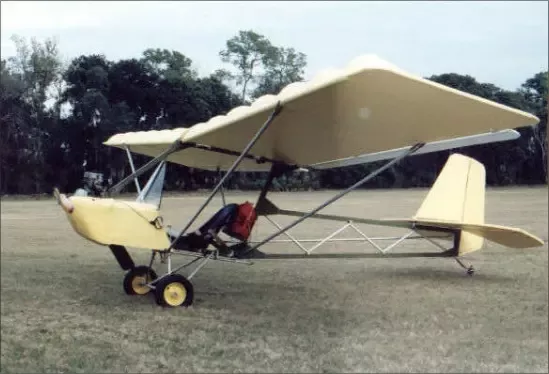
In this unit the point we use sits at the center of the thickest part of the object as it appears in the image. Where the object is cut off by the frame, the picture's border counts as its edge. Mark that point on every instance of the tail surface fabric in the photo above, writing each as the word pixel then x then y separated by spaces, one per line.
pixel 457 201
pixel 458 196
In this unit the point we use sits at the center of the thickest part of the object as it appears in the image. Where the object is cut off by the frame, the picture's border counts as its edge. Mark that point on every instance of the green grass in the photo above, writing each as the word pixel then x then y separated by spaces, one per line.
pixel 63 308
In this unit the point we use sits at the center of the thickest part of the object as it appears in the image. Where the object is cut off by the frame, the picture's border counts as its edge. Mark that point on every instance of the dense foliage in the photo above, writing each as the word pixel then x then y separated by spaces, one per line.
pixel 54 118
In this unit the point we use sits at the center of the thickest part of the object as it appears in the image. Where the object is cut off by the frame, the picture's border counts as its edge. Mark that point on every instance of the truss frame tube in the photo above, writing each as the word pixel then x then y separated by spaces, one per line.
pixel 328 238
pixel 373 174
pixel 351 224
pixel 299 256
pixel 338 239
pixel 364 238
pixel 292 239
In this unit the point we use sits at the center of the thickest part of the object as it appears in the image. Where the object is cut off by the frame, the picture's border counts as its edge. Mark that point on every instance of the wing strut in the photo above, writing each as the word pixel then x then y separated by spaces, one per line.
pixel 130 159
pixel 403 155
pixel 176 146
pixel 221 188
pixel 233 167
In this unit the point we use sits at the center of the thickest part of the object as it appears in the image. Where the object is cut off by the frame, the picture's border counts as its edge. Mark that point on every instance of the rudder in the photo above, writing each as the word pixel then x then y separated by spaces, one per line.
pixel 458 196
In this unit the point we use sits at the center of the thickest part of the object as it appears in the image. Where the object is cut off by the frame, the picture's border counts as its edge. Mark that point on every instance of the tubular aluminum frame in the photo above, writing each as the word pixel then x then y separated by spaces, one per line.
pixel 364 238
pixel 221 189
pixel 200 259
pixel 400 157
pixel 130 160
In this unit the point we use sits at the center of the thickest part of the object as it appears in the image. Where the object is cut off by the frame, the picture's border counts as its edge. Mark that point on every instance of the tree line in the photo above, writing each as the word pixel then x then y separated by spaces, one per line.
pixel 54 117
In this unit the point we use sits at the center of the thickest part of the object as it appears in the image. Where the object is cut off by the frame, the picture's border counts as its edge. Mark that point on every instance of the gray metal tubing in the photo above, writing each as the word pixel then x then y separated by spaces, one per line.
pixel 342 193
pixel 221 189
pixel 256 137
pixel 200 266
pixel 130 159
pixel 342 239
pixel 292 256
pixel 143 169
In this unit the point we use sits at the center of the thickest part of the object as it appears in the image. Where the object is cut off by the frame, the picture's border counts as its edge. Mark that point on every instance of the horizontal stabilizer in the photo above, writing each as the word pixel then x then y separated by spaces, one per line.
pixel 507 236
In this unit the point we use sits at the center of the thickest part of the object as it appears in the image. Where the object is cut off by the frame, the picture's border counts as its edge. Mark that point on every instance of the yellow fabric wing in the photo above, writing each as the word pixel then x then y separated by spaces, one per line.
pixel 367 107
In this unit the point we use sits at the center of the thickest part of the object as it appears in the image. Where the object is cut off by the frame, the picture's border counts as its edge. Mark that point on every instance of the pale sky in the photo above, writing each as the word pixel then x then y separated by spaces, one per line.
pixel 496 42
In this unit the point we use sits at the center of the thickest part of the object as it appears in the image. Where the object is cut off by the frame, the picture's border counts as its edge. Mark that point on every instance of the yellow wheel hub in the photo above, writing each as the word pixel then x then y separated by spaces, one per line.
pixel 138 285
pixel 175 294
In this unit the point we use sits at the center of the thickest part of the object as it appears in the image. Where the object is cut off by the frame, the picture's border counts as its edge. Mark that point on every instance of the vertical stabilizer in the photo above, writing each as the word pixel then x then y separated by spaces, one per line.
pixel 457 196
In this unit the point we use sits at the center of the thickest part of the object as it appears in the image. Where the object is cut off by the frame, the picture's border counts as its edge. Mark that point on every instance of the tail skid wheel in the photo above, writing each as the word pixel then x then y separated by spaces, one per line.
pixel 174 290
pixel 470 269
pixel 136 279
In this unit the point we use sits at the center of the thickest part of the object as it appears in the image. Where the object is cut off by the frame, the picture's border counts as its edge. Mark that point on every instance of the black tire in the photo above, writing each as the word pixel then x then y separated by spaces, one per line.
pixel 130 287
pixel 182 291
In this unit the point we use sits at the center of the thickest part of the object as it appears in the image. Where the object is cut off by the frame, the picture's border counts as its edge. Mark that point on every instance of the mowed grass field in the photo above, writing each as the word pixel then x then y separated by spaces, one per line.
pixel 64 310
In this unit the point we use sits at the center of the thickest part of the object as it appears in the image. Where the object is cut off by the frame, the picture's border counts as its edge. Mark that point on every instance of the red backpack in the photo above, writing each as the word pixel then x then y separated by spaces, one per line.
pixel 244 221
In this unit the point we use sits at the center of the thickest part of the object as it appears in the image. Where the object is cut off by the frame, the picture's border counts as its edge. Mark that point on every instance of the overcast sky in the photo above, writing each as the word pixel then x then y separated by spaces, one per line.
pixel 498 42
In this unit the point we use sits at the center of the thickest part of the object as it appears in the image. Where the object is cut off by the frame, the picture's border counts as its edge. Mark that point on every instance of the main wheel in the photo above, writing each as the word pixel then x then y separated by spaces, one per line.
pixel 136 279
pixel 174 290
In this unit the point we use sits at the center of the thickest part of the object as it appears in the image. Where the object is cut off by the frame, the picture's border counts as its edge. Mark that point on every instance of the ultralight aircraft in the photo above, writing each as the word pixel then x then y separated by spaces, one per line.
pixel 369 111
